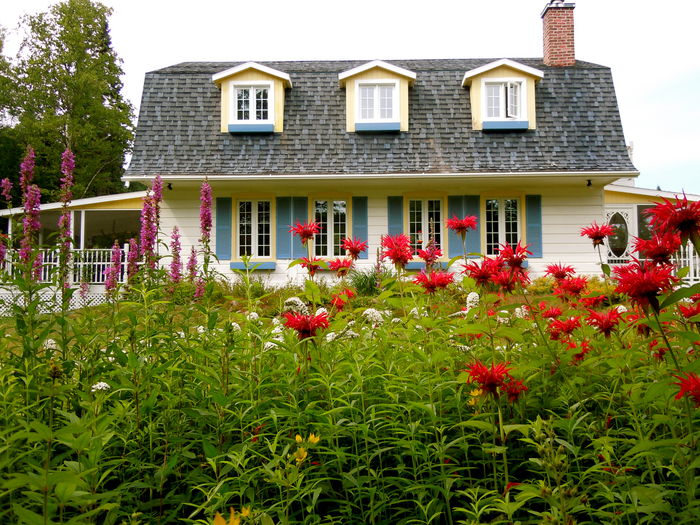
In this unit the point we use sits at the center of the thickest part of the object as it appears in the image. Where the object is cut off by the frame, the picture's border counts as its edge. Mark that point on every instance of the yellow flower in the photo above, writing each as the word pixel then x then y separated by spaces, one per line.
pixel 299 438
pixel 313 438
pixel 220 520
pixel 245 512
pixel 475 394
pixel 300 455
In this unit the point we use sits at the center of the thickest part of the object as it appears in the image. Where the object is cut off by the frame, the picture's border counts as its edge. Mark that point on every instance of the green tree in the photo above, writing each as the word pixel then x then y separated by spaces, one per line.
pixel 10 149
pixel 69 95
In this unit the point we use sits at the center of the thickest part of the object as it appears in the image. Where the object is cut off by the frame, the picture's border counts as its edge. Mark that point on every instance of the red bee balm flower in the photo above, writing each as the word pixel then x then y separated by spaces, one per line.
pixel 433 280
pixel 514 257
pixel 430 255
pixel 559 271
pixel 305 231
pixel 690 386
pixel 597 233
pixel 659 248
pixel 461 226
pixel 681 216
pixel 340 266
pixel 559 327
pixel 513 389
pixel 605 322
pixel 642 282
pixel 397 248
pixel 489 379
pixel 312 265
pixel 354 247
pixel 306 325
pixel 338 300
pixel 482 273
pixel 572 286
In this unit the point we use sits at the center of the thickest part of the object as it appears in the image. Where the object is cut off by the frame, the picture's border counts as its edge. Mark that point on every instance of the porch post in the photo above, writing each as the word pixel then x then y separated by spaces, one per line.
pixel 82 229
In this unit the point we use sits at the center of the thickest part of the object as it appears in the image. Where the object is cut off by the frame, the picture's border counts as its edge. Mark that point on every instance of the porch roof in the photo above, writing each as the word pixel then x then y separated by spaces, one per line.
pixel 92 203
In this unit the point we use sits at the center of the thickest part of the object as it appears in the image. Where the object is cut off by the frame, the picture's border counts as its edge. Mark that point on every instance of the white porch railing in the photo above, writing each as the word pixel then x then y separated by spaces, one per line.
pixel 85 265
pixel 686 257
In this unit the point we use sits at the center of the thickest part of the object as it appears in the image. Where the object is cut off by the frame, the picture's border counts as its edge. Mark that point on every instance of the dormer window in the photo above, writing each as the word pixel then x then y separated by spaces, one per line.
pixel 376 97
pixel 503 100
pixel 252 98
pixel 502 95
pixel 377 102
pixel 253 103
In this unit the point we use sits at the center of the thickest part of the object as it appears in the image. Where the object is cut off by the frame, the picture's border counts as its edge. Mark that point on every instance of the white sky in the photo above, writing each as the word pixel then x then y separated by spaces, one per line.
pixel 652 48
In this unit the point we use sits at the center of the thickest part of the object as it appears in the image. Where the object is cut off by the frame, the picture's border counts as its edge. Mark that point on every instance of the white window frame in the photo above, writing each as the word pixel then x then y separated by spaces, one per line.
pixel 502 222
pixel 395 106
pixel 254 248
pixel 425 223
pixel 253 84
pixel 506 112
pixel 330 228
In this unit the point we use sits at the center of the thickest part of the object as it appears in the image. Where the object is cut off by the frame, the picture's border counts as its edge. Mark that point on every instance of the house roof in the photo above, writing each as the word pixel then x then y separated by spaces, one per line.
pixel 647 192
pixel 79 203
pixel 578 126
pixel 469 75
pixel 217 77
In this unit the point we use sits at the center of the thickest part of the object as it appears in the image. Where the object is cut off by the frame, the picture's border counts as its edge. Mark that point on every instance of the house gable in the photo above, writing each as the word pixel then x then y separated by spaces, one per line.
pixel 376 73
pixel 249 77
pixel 506 73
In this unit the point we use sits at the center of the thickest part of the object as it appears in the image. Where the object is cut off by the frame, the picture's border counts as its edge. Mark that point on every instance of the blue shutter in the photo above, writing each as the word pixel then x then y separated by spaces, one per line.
pixel 360 222
pixel 395 215
pixel 455 208
pixel 299 214
pixel 461 206
pixel 284 223
pixel 472 207
pixel 533 224
pixel 223 228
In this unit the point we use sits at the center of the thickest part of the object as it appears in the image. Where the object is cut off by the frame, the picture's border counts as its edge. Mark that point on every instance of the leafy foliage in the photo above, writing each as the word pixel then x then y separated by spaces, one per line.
pixel 67 94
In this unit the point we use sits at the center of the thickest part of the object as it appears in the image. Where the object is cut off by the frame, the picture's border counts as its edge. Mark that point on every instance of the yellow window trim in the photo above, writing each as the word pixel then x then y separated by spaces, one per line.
pixel 423 196
pixel 234 225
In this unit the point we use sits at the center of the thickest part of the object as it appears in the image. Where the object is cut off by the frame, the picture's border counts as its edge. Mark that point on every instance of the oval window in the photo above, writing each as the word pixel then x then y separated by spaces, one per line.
pixel 618 241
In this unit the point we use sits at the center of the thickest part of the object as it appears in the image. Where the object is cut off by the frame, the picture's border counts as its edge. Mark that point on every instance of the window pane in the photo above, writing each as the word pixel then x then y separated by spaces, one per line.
pixel 511 222
pixel 644 221
pixel 245 228
pixel 321 238
pixel 340 209
pixel 493 100
pixel 492 226
pixel 261 104
pixel 415 224
pixel 367 102
pixel 513 99
pixel 434 221
pixel 386 102
pixel 264 225
pixel 243 104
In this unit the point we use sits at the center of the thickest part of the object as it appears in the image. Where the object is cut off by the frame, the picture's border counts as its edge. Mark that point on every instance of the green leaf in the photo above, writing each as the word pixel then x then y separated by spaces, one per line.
pixel 605 268
pixel 680 294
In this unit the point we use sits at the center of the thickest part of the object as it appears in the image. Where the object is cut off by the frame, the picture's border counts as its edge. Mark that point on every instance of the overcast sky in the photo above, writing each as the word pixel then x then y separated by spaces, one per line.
pixel 652 48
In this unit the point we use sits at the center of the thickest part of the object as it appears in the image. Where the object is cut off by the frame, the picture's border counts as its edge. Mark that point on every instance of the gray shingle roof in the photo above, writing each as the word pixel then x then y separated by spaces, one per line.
pixel 578 125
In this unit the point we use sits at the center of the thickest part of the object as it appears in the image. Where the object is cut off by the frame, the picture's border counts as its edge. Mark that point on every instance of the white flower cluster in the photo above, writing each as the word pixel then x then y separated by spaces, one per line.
pixel 253 317
pixel 472 300
pixel 621 309
pixel 417 313
pixel 50 344
pixel 100 387
pixel 321 310
pixel 374 316
pixel 235 327
pixel 296 305
pixel 521 312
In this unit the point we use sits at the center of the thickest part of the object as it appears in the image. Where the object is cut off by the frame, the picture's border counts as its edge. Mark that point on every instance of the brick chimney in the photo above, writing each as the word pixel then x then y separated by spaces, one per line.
pixel 558 32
